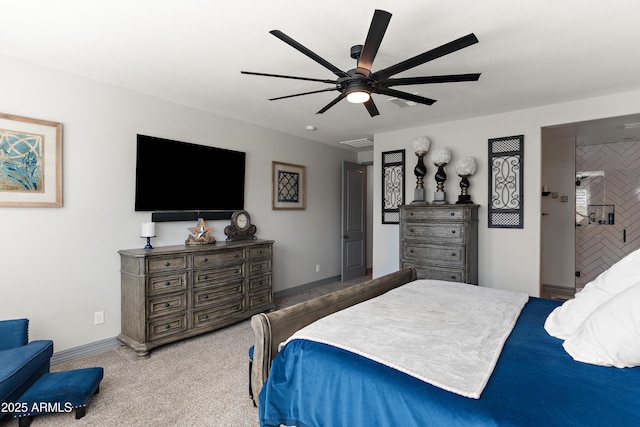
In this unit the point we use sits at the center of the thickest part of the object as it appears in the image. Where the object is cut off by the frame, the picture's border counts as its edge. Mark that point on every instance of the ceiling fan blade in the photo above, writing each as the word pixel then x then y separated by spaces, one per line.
pixel 405 95
pixel 453 78
pixel 289 77
pixel 291 42
pixel 445 49
pixel 332 103
pixel 378 27
pixel 305 93
pixel 371 108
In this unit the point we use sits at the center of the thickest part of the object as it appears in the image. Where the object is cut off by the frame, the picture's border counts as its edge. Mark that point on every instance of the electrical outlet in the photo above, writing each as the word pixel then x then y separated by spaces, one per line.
pixel 98 318
pixel 317 268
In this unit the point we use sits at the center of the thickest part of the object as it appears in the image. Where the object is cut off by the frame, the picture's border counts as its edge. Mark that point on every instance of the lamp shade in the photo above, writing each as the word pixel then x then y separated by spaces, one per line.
pixel 148 229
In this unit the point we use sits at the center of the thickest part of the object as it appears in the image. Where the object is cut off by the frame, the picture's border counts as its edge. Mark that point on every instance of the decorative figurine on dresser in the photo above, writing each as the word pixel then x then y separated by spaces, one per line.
pixel 176 292
pixel 440 241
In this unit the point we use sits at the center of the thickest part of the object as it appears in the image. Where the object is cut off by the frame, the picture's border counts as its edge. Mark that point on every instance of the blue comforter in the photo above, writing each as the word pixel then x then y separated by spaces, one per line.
pixel 535 383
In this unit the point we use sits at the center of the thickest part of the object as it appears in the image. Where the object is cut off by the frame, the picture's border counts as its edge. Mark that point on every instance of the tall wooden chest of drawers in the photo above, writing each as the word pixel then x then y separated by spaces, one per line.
pixel 440 241
pixel 175 292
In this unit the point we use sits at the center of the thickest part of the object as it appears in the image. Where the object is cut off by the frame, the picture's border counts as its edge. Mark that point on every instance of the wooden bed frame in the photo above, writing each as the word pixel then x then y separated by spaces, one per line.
pixel 273 328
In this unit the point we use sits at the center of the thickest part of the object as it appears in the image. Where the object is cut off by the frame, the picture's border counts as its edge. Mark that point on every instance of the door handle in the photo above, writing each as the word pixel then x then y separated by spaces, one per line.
pixel 344 236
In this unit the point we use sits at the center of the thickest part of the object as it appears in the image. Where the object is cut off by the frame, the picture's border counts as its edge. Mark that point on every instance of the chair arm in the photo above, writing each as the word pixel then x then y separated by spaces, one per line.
pixel 13 333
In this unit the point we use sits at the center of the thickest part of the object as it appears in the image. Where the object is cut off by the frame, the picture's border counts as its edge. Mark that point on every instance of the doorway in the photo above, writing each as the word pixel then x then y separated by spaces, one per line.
pixel 590 200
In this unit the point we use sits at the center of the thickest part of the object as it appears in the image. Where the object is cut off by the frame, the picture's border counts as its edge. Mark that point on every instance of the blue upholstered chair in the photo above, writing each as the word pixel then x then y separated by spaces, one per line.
pixel 21 362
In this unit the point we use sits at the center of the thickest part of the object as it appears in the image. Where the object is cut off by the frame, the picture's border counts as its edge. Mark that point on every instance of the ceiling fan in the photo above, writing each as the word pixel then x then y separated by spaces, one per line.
pixel 358 84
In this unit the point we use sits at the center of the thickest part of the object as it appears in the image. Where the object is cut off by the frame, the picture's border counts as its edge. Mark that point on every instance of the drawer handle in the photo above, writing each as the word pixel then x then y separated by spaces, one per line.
pixel 167 283
pixel 205 277
pixel 453 277
pixel 453 254
pixel 453 231
pixel 168 327
pixel 453 214
pixel 206 296
pixel 167 305
pixel 167 264
pixel 235 255
pixel 206 316
pixel 411 250
pixel 411 230
pixel 259 266
pixel 237 271
pixel 205 260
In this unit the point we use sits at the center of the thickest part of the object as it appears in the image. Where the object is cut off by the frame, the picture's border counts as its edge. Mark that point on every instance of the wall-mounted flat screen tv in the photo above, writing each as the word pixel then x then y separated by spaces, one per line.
pixel 180 176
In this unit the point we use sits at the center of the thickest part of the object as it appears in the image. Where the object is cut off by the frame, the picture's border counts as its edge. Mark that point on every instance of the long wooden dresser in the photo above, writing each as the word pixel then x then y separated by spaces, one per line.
pixel 440 241
pixel 175 292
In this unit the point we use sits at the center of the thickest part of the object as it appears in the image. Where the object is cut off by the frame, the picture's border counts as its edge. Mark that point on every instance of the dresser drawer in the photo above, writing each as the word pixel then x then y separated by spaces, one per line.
pixel 163 284
pixel 166 304
pixel 435 273
pixel 436 214
pixel 161 264
pixel 259 283
pixel 167 326
pixel 259 267
pixel 221 274
pixel 260 300
pixel 216 293
pixel 217 313
pixel 215 258
pixel 259 252
pixel 441 255
pixel 450 233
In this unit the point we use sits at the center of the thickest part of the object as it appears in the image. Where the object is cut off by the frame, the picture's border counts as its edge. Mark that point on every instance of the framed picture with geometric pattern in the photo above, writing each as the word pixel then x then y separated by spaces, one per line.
pixel 506 172
pixel 30 162
pixel 288 186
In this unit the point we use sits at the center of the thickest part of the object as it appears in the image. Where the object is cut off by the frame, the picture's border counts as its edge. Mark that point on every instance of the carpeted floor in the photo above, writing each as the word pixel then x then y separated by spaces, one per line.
pixel 202 381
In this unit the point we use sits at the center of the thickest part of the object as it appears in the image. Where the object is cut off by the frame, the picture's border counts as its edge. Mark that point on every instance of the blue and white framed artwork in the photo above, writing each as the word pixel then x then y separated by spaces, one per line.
pixel 289 183
pixel 30 162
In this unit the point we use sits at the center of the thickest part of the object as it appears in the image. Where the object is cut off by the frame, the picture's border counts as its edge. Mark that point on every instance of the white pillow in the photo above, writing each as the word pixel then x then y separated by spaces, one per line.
pixel 610 336
pixel 564 320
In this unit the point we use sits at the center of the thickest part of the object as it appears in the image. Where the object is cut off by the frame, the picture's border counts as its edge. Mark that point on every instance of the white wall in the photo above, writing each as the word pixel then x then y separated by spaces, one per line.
pixel 60 265
pixel 558 231
pixel 508 258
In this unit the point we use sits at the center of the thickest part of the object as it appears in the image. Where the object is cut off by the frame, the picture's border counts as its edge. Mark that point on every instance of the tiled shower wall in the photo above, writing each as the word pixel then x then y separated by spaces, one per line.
pixel 609 176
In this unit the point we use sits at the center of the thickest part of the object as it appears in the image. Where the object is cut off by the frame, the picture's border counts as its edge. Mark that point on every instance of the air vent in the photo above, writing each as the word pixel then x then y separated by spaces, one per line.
pixel 359 143
pixel 402 103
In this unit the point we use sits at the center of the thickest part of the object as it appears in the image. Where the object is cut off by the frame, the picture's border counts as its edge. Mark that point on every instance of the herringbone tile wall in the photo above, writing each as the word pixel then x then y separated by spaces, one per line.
pixel 599 246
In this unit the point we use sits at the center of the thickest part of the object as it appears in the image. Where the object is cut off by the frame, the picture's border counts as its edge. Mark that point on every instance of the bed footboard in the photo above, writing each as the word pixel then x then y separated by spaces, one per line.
pixel 271 329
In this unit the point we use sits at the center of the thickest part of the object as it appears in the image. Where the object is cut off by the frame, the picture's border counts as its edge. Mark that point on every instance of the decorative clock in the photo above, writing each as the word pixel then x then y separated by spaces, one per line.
pixel 240 227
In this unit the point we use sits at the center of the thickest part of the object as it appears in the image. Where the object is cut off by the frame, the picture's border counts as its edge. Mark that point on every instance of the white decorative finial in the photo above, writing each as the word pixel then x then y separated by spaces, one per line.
pixel 421 144
pixel 440 156
pixel 466 166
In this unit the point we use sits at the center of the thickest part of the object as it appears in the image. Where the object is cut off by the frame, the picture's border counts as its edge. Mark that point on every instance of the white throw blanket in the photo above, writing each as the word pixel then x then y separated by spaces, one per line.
pixel 447 334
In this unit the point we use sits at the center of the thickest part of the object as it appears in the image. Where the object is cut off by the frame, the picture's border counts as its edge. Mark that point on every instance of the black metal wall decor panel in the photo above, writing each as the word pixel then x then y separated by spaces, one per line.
pixel 506 160
pixel 392 185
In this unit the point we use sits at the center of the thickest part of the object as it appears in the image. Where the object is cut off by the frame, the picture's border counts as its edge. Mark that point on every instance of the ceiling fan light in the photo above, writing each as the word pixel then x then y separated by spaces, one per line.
pixel 358 97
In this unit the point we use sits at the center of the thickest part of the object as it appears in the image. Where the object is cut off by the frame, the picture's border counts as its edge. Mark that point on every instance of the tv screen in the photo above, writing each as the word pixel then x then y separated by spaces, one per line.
pixel 179 176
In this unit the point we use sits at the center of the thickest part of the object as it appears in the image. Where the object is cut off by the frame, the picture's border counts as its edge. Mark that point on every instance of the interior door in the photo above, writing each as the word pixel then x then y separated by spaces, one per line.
pixel 354 227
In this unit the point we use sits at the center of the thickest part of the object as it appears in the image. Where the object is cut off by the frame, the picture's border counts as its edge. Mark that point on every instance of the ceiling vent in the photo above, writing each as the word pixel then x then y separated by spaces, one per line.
pixel 402 103
pixel 358 143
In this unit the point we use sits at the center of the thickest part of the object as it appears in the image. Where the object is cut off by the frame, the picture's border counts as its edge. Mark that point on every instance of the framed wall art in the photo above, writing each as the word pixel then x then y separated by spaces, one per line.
pixel 288 186
pixel 30 162
pixel 506 187
pixel 392 185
